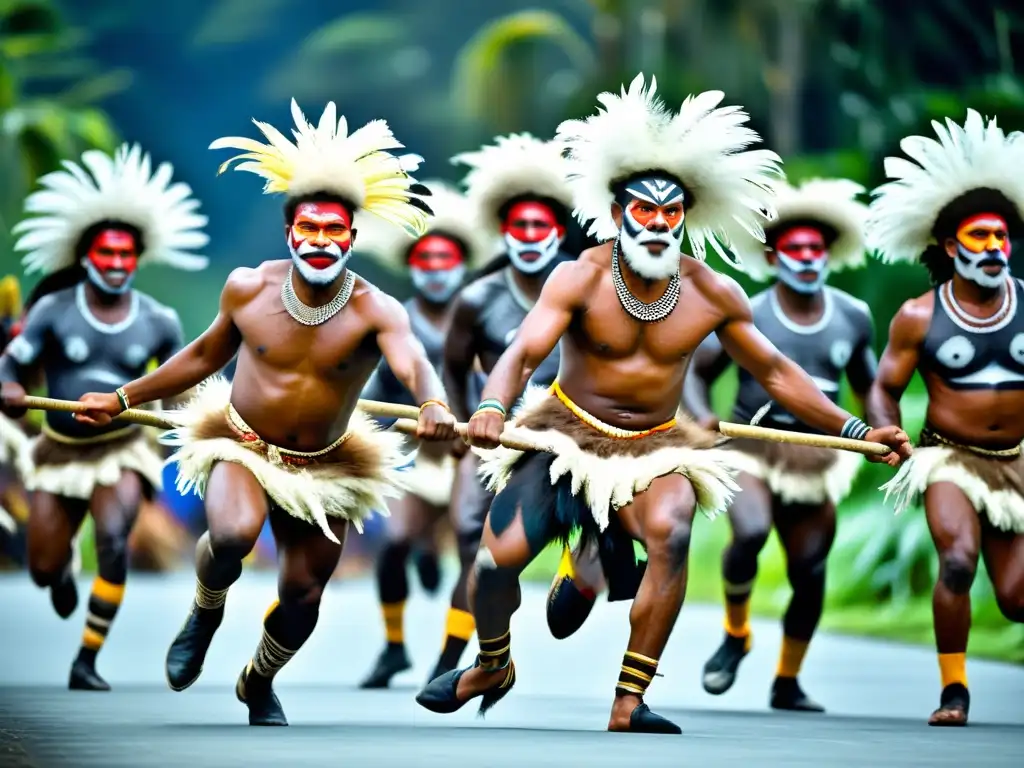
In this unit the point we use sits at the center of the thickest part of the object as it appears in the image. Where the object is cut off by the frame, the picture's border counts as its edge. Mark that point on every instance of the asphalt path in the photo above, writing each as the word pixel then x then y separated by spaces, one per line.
pixel 878 695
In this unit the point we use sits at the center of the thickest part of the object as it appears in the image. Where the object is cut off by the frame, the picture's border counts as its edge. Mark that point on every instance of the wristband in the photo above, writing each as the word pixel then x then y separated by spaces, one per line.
pixel 855 429
pixel 438 403
pixel 492 404
pixel 123 399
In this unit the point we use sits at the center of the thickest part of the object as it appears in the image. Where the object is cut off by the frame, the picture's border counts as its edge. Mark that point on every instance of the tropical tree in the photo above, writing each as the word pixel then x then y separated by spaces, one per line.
pixel 48 89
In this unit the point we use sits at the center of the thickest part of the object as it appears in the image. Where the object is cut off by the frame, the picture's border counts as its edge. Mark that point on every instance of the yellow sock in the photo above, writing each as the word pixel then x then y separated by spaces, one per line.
pixel 460 624
pixel 953 668
pixel 791 657
pixel 103 604
pixel 394 614
pixel 737 618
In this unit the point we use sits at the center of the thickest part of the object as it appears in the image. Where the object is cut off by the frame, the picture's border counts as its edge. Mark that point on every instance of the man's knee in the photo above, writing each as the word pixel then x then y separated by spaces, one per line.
pixel 112 550
pixel 750 536
pixel 46 572
pixel 394 555
pixel 957 568
pixel 231 543
pixel 301 594
pixel 667 530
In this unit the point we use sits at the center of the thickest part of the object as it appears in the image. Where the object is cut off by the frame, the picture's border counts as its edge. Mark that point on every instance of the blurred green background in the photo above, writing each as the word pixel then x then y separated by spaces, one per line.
pixel 832 85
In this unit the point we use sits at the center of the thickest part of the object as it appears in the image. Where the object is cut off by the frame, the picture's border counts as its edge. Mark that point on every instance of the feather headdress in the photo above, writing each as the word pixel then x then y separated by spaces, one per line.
pixel 729 187
pixel 452 216
pixel 831 202
pixel 325 158
pixel 514 165
pixel 119 188
pixel 904 212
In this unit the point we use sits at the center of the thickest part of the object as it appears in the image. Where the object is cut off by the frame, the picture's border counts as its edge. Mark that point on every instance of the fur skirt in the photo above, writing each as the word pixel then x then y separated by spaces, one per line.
pixel 607 472
pixel 12 440
pixel 994 486
pixel 351 482
pixel 431 478
pixel 73 468
pixel 798 474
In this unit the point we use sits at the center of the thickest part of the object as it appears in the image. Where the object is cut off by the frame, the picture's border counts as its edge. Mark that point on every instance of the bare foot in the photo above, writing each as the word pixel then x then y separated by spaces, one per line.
pixel 476 681
pixel 622 709
pixel 949 715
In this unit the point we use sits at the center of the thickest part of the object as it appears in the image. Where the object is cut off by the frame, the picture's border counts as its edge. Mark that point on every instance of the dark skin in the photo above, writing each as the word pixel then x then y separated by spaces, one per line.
pixel 987 419
pixel 630 374
pixel 805 530
pixel 297 387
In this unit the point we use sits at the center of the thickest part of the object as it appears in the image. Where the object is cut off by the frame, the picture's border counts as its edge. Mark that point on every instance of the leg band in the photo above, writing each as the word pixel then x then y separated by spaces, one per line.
pixel 210 599
pixel 495 654
pixel 270 656
pixel 791 657
pixel 636 674
pixel 953 668
pixel 103 605
pixel 394 622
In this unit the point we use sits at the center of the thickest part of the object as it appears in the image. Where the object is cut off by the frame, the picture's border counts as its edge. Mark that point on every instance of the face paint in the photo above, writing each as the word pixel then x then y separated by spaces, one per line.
pixel 111 261
pixel 802 259
pixel 983 250
pixel 532 236
pixel 320 241
pixel 437 267
pixel 652 226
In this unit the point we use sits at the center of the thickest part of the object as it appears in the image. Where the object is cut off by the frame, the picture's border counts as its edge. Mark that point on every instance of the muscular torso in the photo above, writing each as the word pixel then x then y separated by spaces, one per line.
pixel 975 377
pixel 79 352
pixel 295 385
pixel 822 349
pixel 626 372
pixel 383 384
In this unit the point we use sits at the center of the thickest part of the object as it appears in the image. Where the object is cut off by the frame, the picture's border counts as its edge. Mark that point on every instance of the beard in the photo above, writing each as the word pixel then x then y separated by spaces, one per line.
pixel 790 272
pixel 312 275
pixel 648 265
pixel 970 266
pixel 545 249
pixel 99 280
pixel 437 285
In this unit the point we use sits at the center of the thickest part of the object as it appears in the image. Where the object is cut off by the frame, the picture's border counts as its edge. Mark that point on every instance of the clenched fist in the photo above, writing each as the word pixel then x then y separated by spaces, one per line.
pixel 435 423
pixel 895 438
pixel 485 429
pixel 101 408
pixel 12 397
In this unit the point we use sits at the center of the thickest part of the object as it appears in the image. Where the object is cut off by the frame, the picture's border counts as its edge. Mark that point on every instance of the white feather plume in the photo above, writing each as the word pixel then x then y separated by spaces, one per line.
pixel 975 156
pixel 452 215
pixel 326 158
pixel 704 146
pixel 119 188
pixel 514 165
pixel 832 202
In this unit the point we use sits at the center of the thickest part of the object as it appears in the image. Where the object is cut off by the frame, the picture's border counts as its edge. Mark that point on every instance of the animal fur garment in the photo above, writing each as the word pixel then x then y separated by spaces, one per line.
pixel 799 474
pixel 12 440
pixel 350 482
pixel 608 472
pixel 994 486
pixel 74 470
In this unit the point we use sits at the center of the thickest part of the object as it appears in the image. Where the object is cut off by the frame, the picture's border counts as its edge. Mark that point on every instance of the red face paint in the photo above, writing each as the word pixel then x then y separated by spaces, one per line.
pixel 805 244
pixel 435 253
pixel 323 230
pixel 114 255
pixel 531 222
pixel 984 232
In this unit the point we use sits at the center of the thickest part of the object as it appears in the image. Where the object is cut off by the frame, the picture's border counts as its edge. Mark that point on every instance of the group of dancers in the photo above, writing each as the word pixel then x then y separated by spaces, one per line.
pixel 559 394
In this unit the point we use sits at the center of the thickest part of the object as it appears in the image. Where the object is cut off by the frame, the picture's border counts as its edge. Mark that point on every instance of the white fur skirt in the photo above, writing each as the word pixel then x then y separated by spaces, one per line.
pixel 994 486
pixel 798 474
pixel 431 479
pixel 351 482
pixel 12 440
pixel 606 472
pixel 75 467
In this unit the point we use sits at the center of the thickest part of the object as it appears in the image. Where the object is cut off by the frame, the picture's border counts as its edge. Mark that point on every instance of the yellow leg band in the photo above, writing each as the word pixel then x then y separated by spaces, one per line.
pixel 791 657
pixel 92 639
pixel 953 668
pixel 460 624
pixel 394 621
pixel 107 592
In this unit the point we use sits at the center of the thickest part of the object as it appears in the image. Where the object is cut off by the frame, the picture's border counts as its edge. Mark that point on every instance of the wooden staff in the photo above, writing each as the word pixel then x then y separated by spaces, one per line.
pixel 132 415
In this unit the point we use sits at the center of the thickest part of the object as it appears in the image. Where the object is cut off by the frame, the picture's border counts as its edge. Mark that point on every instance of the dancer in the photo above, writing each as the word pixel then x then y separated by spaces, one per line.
pixel 954 210
pixel 437 263
pixel 794 488
pixel 88 327
pixel 518 194
pixel 308 333
pixel 13 504
pixel 625 466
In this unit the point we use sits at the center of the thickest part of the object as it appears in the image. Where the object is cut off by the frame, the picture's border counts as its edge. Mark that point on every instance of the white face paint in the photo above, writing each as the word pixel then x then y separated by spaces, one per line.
pixel 970 266
pixel 437 285
pixel 652 216
pixel 96 277
pixel 538 254
pixel 311 274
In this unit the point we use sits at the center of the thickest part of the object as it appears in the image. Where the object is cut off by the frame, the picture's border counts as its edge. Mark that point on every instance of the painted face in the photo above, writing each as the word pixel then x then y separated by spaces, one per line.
pixel 320 241
pixel 802 259
pixel 532 235
pixel 983 250
pixel 437 266
pixel 112 260
pixel 652 226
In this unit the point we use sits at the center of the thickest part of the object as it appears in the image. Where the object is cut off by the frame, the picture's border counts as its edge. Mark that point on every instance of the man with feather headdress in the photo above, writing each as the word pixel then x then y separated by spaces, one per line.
pixel 954 206
pixel 437 264
pixel 625 466
pixel 87 327
pixel 283 440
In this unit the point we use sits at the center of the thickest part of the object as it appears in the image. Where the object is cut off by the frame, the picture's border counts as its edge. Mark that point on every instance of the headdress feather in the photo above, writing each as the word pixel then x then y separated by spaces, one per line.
pixel 703 145
pixel 940 171
pixel 119 188
pixel 326 158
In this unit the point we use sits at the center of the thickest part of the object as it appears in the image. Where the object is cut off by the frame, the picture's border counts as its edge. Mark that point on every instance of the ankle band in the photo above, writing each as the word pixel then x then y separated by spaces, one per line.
pixel 636 674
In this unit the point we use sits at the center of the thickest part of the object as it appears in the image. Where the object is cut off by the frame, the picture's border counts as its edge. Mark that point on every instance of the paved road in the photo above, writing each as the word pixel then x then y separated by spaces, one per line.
pixel 878 695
